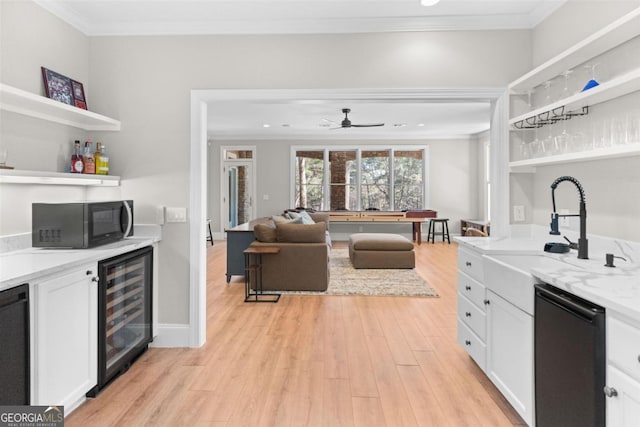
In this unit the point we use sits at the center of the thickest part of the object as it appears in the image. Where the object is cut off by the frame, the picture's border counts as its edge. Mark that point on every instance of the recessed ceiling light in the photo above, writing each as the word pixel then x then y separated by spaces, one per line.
pixel 286 125
pixel 420 125
pixel 266 125
pixel 429 2
pixel 399 125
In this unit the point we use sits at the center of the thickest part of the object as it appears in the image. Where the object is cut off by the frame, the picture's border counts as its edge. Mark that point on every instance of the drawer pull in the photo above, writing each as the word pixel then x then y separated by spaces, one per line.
pixel 467 314
pixel 467 342
pixel 610 391
pixel 89 272
pixel 468 288
pixel 486 302
pixel 468 263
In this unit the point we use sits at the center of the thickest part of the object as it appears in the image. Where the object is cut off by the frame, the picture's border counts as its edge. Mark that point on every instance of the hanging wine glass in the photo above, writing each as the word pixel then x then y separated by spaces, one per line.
pixel 530 93
pixel 547 97
pixel 592 73
pixel 566 92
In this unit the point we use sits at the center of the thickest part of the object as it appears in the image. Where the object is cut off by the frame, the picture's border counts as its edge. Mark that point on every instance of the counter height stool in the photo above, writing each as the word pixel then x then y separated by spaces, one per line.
pixel 444 229
pixel 210 236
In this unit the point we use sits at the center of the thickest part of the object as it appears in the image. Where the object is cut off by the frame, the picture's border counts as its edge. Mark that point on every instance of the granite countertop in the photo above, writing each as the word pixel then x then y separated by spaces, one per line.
pixel 28 264
pixel 616 289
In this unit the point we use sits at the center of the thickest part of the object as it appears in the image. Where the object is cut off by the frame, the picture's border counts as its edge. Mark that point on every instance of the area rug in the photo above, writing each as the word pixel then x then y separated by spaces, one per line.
pixel 346 280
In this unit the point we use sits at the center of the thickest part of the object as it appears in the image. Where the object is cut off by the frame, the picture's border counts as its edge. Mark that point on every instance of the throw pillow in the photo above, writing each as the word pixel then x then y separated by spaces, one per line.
pixel 279 219
pixel 301 233
pixel 306 219
pixel 265 233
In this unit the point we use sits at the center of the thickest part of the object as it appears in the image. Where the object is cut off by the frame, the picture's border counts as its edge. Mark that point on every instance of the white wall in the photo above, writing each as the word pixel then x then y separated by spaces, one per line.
pixel 146 81
pixel 452 176
pixel 611 186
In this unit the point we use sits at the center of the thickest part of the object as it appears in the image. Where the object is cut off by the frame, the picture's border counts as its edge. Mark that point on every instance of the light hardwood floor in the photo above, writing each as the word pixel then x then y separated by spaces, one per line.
pixel 312 361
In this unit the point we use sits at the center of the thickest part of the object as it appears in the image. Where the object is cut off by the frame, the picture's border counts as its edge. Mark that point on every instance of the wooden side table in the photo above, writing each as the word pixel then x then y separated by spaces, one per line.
pixel 253 270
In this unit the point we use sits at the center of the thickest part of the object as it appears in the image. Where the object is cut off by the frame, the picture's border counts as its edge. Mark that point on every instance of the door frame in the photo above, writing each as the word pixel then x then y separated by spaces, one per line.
pixel 240 162
pixel 198 166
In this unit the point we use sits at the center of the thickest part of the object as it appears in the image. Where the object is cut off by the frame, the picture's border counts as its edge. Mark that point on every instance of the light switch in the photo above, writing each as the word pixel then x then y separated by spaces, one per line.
pixel 176 214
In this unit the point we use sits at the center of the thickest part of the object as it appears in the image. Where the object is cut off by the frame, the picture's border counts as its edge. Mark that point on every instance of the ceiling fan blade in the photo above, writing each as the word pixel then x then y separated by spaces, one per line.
pixel 330 121
pixel 367 126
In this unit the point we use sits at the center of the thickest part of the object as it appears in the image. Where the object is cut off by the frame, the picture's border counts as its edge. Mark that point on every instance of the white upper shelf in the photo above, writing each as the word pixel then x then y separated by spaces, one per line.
pixel 10 176
pixel 614 34
pixel 32 105
pixel 614 88
pixel 529 165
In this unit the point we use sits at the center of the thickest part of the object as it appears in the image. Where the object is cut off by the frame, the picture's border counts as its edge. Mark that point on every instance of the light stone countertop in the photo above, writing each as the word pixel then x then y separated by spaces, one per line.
pixel 616 289
pixel 28 264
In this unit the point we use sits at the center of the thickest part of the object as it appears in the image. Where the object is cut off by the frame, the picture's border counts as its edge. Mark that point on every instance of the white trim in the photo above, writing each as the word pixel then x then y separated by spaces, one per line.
pixel 197 218
pixel 197 203
pixel 172 335
pixel 499 163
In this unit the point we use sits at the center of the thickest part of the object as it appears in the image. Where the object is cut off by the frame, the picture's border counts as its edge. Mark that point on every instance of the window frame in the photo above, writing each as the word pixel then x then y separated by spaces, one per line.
pixel 359 149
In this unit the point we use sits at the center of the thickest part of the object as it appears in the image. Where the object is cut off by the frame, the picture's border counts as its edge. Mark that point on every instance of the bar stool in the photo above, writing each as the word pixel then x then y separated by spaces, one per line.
pixel 444 229
pixel 210 236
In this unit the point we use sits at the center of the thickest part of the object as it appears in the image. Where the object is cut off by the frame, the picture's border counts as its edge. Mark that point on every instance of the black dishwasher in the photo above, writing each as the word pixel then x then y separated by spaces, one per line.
pixel 569 359
pixel 14 336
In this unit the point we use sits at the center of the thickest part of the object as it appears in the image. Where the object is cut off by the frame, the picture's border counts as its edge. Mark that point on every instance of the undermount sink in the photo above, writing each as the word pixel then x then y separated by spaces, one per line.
pixel 524 263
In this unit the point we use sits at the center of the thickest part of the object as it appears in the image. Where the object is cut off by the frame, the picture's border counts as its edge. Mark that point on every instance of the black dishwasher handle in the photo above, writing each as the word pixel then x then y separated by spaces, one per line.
pixel 567 303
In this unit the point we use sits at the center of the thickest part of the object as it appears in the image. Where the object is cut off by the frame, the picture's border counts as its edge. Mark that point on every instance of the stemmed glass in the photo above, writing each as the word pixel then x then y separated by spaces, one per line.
pixel 592 72
pixel 566 93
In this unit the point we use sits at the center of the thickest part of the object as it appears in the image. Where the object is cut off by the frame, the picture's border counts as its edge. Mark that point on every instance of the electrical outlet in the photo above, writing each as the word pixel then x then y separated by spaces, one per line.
pixel 518 213
pixel 176 214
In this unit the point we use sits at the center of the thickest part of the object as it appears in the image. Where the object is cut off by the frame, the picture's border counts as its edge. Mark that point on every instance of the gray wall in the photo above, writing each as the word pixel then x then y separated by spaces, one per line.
pixel 146 81
pixel 453 171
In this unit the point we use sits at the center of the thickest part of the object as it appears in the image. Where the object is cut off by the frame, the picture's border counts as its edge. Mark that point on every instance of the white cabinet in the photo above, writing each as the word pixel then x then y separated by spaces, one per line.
pixel 510 353
pixel 471 311
pixel 623 371
pixel 65 338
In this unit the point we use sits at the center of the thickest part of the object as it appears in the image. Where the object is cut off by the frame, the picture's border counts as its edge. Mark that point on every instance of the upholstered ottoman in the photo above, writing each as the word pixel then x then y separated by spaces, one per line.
pixel 381 250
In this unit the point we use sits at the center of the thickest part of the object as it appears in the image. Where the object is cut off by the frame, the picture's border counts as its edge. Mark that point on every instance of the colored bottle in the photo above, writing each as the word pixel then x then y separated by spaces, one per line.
pixel 77 166
pixel 87 159
pixel 101 159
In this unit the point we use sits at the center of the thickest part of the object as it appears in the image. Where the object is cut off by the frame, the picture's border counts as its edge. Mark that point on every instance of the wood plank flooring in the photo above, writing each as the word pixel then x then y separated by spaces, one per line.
pixel 312 361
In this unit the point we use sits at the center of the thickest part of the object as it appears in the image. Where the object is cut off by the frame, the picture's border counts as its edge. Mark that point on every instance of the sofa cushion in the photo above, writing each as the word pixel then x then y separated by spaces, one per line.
pixel 265 232
pixel 301 233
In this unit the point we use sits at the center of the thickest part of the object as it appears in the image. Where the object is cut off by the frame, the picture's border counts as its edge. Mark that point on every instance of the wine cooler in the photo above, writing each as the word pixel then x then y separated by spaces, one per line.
pixel 124 313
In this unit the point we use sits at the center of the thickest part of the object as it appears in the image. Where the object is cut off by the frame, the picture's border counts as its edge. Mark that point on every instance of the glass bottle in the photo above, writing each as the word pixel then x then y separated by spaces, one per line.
pixel 101 159
pixel 77 166
pixel 88 159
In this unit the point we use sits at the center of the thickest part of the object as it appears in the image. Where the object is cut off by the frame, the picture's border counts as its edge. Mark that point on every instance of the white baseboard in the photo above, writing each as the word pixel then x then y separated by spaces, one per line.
pixel 171 335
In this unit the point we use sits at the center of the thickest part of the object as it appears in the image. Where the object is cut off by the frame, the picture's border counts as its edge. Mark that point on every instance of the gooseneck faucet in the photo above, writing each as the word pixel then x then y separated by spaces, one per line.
pixel 583 244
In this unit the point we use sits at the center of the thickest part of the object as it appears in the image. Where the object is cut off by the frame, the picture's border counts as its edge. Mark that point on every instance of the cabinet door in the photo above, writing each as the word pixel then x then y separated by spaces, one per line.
pixel 623 408
pixel 66 338
pixel 510 353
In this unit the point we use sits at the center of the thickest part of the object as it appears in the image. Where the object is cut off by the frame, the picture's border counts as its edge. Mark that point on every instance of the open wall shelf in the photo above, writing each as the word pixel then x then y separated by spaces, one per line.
pixel 32 105
pixel 10 176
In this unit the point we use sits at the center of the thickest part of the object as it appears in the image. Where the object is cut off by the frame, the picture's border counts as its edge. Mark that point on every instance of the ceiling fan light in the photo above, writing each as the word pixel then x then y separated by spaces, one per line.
pixel 429 2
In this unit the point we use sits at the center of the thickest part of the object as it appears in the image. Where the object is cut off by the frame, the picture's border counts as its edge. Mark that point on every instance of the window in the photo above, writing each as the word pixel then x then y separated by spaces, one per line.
pixel 366 178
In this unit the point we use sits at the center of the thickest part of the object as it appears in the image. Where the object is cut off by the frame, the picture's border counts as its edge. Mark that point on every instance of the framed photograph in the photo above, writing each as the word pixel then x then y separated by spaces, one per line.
pixel 63 89
pixel 78 95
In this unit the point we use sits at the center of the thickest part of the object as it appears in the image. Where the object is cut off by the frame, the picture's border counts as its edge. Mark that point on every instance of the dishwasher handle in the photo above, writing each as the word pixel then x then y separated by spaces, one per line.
pixel 568 302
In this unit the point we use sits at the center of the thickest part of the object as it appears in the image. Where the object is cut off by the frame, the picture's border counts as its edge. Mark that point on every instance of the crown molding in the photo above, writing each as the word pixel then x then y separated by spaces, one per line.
pixel 304 26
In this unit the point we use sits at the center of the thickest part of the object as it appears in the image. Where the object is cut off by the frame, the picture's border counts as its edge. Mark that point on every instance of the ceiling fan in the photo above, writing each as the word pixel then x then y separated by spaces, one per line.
pixel 346 123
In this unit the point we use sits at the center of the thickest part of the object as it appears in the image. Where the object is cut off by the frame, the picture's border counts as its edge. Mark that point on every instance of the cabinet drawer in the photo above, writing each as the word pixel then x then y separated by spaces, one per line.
pixel 470 263
pixel 472 289
pixel 472 344
pixel 472 316
pixel 624 346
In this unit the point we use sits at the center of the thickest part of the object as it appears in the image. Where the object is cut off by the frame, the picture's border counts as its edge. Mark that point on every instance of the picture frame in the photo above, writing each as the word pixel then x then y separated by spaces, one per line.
pixel 79 98
pixel 63 89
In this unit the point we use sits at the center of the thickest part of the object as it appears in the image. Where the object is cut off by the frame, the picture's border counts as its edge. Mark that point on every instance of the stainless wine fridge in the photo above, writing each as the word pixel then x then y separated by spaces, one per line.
pixel 124 313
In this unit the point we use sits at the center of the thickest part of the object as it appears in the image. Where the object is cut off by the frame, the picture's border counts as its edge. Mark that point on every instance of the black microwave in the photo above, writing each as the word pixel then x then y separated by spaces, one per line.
pixel 80 225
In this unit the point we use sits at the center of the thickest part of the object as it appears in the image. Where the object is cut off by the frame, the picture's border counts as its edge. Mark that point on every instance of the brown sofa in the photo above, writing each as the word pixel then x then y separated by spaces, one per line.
pixel 303 261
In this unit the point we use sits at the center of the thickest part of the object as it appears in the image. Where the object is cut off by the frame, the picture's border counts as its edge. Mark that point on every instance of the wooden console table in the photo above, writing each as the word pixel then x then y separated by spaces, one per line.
pixel 415 217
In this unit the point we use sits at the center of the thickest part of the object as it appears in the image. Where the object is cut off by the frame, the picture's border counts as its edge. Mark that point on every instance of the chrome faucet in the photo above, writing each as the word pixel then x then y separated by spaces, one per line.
pixel 583 244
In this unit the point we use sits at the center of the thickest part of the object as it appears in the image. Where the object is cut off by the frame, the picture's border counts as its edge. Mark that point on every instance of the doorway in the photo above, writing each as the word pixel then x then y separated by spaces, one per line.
pixel 238 186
